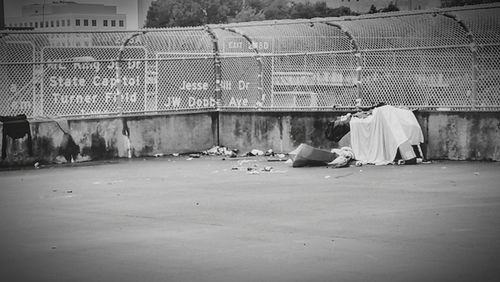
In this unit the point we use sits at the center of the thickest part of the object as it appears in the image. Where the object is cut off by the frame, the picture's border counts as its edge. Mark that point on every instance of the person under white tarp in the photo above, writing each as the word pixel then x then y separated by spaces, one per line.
pixel 377 137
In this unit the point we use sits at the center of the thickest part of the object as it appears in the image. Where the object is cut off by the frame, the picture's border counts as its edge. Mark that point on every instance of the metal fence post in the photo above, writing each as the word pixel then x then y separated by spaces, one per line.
pixel 359 60
pixel 217 66
pixel 473 49
pixel 260 76
pixel 218 77
pixel 125 129
pixel 118 74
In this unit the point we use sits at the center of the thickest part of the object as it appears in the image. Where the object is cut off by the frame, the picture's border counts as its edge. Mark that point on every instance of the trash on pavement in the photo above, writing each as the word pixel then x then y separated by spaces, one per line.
pixel 269 153
pixel 344 156
pixel 268 168
pixel 306 155
pixel 255 152
pixel 221 151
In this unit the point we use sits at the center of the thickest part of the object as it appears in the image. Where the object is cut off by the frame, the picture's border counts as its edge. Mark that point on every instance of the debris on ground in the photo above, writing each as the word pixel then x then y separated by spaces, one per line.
pixel 268 168
pixel 306 155
pixel 344 157
pixel 269 153
pixel 255 152
pixel 221 151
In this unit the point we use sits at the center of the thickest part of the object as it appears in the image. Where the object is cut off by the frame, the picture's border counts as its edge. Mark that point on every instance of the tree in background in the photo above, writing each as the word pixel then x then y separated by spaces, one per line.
pixel 277 10
pixel 373 9
pixel 317 10
pixel 170 13
pixel 247 14
pixel 453 3
pixel 390 8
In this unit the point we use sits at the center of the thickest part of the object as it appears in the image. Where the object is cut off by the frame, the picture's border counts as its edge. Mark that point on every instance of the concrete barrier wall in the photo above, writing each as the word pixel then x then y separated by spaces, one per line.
pixel 60 141
pixel 448 135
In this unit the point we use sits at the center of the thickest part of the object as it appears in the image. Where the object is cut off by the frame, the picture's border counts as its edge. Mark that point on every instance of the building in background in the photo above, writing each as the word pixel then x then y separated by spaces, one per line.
pixel 68 16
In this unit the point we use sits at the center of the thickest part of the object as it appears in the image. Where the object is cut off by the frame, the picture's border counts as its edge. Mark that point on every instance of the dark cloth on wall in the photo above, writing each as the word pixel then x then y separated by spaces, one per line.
pixel 15 127
pixel 337 129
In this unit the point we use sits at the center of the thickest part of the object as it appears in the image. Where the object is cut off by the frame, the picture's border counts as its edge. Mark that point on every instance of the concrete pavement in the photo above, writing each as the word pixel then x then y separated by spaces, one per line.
pixel 208 219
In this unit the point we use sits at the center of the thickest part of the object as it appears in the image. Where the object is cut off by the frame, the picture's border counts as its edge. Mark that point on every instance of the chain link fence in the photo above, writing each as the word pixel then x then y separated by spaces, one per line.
pixel 437 59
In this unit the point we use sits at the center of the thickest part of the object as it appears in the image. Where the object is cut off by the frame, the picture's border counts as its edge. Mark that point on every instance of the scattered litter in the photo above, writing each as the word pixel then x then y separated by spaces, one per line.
pixel 339 162
pixel 268 168
pixel 175 154
pixel 37 165
pixel 401 162
pixel 158 155
pixel 280 156
pixel 188 159
pixel 269 153
pixel 327 176
pixel 359 163
pixel 69 191
pixel 360 170
pixel 194 155
pixel 253 172
pixel 218 151
pixel 256 152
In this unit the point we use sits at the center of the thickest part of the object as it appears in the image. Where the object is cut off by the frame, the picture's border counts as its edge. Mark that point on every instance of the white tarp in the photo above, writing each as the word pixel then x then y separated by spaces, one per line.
pixel 376 138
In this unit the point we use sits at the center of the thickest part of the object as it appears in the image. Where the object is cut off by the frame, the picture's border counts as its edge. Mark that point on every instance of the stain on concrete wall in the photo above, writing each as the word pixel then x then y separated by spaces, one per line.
pixel 281 132
pixel 14 128
pixel 463 136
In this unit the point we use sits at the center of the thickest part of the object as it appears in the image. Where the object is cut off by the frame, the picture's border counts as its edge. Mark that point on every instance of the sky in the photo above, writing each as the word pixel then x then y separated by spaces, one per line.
pixel 129 7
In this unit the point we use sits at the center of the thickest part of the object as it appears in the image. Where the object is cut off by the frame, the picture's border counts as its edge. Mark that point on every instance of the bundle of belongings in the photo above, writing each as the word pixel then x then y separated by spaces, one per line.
pixel 379 135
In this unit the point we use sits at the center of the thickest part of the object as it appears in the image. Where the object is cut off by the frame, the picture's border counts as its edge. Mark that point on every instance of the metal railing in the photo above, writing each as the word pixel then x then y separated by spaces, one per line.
pixel 434 59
